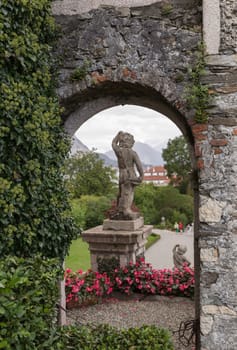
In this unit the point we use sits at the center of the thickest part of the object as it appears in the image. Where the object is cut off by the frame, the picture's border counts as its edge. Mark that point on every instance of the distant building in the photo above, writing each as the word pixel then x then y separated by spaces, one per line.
pixel 156 175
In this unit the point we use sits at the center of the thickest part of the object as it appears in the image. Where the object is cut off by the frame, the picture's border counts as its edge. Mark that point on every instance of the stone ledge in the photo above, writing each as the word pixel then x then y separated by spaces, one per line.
pixel 222 60
pixel 98 234
pixel 123 225
pixel 73 7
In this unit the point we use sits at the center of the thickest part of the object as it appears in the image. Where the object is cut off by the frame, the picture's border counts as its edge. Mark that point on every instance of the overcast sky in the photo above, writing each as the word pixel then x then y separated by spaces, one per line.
pixel 146 125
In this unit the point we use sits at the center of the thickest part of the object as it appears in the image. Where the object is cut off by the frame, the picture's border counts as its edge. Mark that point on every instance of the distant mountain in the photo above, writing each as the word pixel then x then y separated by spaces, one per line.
pixel 108 161
pixel 77 146
pixel 147 154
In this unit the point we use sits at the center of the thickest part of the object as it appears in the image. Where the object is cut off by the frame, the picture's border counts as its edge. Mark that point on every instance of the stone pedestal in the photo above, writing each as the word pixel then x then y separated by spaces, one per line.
pixel 121 240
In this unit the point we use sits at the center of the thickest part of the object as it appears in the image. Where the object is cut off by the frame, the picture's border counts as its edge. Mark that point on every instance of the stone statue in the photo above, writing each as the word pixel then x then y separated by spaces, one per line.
pixel 128 163
pixel 178 256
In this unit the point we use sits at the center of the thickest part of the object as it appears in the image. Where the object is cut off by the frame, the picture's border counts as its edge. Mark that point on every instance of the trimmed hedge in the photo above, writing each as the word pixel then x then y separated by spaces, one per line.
pixel 105 337
pixel 28 295
pixel 35 215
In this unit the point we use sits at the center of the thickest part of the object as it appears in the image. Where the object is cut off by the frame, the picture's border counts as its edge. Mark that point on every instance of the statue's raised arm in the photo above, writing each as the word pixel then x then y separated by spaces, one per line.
pixel 129 164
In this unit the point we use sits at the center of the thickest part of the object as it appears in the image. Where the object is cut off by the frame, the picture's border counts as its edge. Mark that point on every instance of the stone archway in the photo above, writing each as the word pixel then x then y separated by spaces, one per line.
pixel 146 98
pixel 141 55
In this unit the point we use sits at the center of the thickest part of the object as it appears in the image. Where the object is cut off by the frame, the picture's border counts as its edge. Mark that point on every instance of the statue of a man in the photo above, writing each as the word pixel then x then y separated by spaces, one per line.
pixel 178 256
pixel 128 163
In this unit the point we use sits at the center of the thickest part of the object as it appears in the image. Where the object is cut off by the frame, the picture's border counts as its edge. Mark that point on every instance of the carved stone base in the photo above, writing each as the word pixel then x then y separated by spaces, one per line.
pixel 123 245
pixel 123 225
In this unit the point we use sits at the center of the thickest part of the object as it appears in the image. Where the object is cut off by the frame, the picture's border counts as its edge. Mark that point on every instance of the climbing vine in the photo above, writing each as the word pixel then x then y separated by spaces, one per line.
pixel 197 94
pixel 33 203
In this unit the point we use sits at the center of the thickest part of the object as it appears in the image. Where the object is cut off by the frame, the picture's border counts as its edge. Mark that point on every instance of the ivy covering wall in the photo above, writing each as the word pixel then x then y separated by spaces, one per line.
pixel 34 212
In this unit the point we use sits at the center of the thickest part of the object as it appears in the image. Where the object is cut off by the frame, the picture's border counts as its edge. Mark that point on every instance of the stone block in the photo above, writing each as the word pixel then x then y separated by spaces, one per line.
pixel 209 254
pixel 224 333
pixel 123 11
pixel 211 25
pixel 218 310
pixel 211 211
pixel 222 60
pixel 123 225
pixel 219 142
pixel 206 323
pixel 208 278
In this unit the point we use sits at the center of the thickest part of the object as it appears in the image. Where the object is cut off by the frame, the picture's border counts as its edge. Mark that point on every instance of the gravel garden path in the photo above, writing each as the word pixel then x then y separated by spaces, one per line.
pixel 161 311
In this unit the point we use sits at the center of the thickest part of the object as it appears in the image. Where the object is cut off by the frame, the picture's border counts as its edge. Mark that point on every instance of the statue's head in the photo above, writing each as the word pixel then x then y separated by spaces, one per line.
pixel 182 249
pixel 126 140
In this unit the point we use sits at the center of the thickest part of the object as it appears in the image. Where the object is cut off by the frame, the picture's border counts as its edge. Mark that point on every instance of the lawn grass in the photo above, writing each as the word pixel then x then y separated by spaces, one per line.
pixel 79 255
pixel 152 239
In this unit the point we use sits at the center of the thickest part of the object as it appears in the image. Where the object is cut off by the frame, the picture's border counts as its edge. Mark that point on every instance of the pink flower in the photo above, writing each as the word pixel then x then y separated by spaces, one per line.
pixel 110 290
pixel 75 289
pixel 142 276
pixel 182 287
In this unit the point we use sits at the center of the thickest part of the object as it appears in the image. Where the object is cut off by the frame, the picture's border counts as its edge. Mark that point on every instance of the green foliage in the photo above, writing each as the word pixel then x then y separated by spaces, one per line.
pixel 177 161
pixel 145 200
pixel 28 295
pixel 169 197
pixel 107 265
pixel 166 9
pixel 35 216
pixel 86 174
pixel 155 202
pixel 80 72
pixel 79 210
pixel 153 238
pixel 89 211
pixel 197 94
pixel 105 337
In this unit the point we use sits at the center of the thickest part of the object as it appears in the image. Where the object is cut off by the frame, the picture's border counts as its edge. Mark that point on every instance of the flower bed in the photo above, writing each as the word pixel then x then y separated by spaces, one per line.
pixel 87 287
pixel 83 288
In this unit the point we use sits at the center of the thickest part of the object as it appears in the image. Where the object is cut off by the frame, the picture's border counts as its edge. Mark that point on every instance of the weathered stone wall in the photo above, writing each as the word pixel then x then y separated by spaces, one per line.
pixel 142 55
pixel 129 49
pixel 217 147
pixel 228 26
pixel 217 213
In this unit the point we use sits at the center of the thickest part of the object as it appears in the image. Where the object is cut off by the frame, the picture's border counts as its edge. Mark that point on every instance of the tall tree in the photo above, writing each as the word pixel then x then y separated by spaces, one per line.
pixel 86 174
pixel 177 162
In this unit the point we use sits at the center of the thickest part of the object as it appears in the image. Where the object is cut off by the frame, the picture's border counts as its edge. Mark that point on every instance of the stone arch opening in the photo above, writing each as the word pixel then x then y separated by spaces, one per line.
pixel 109 95
pixel 79 107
